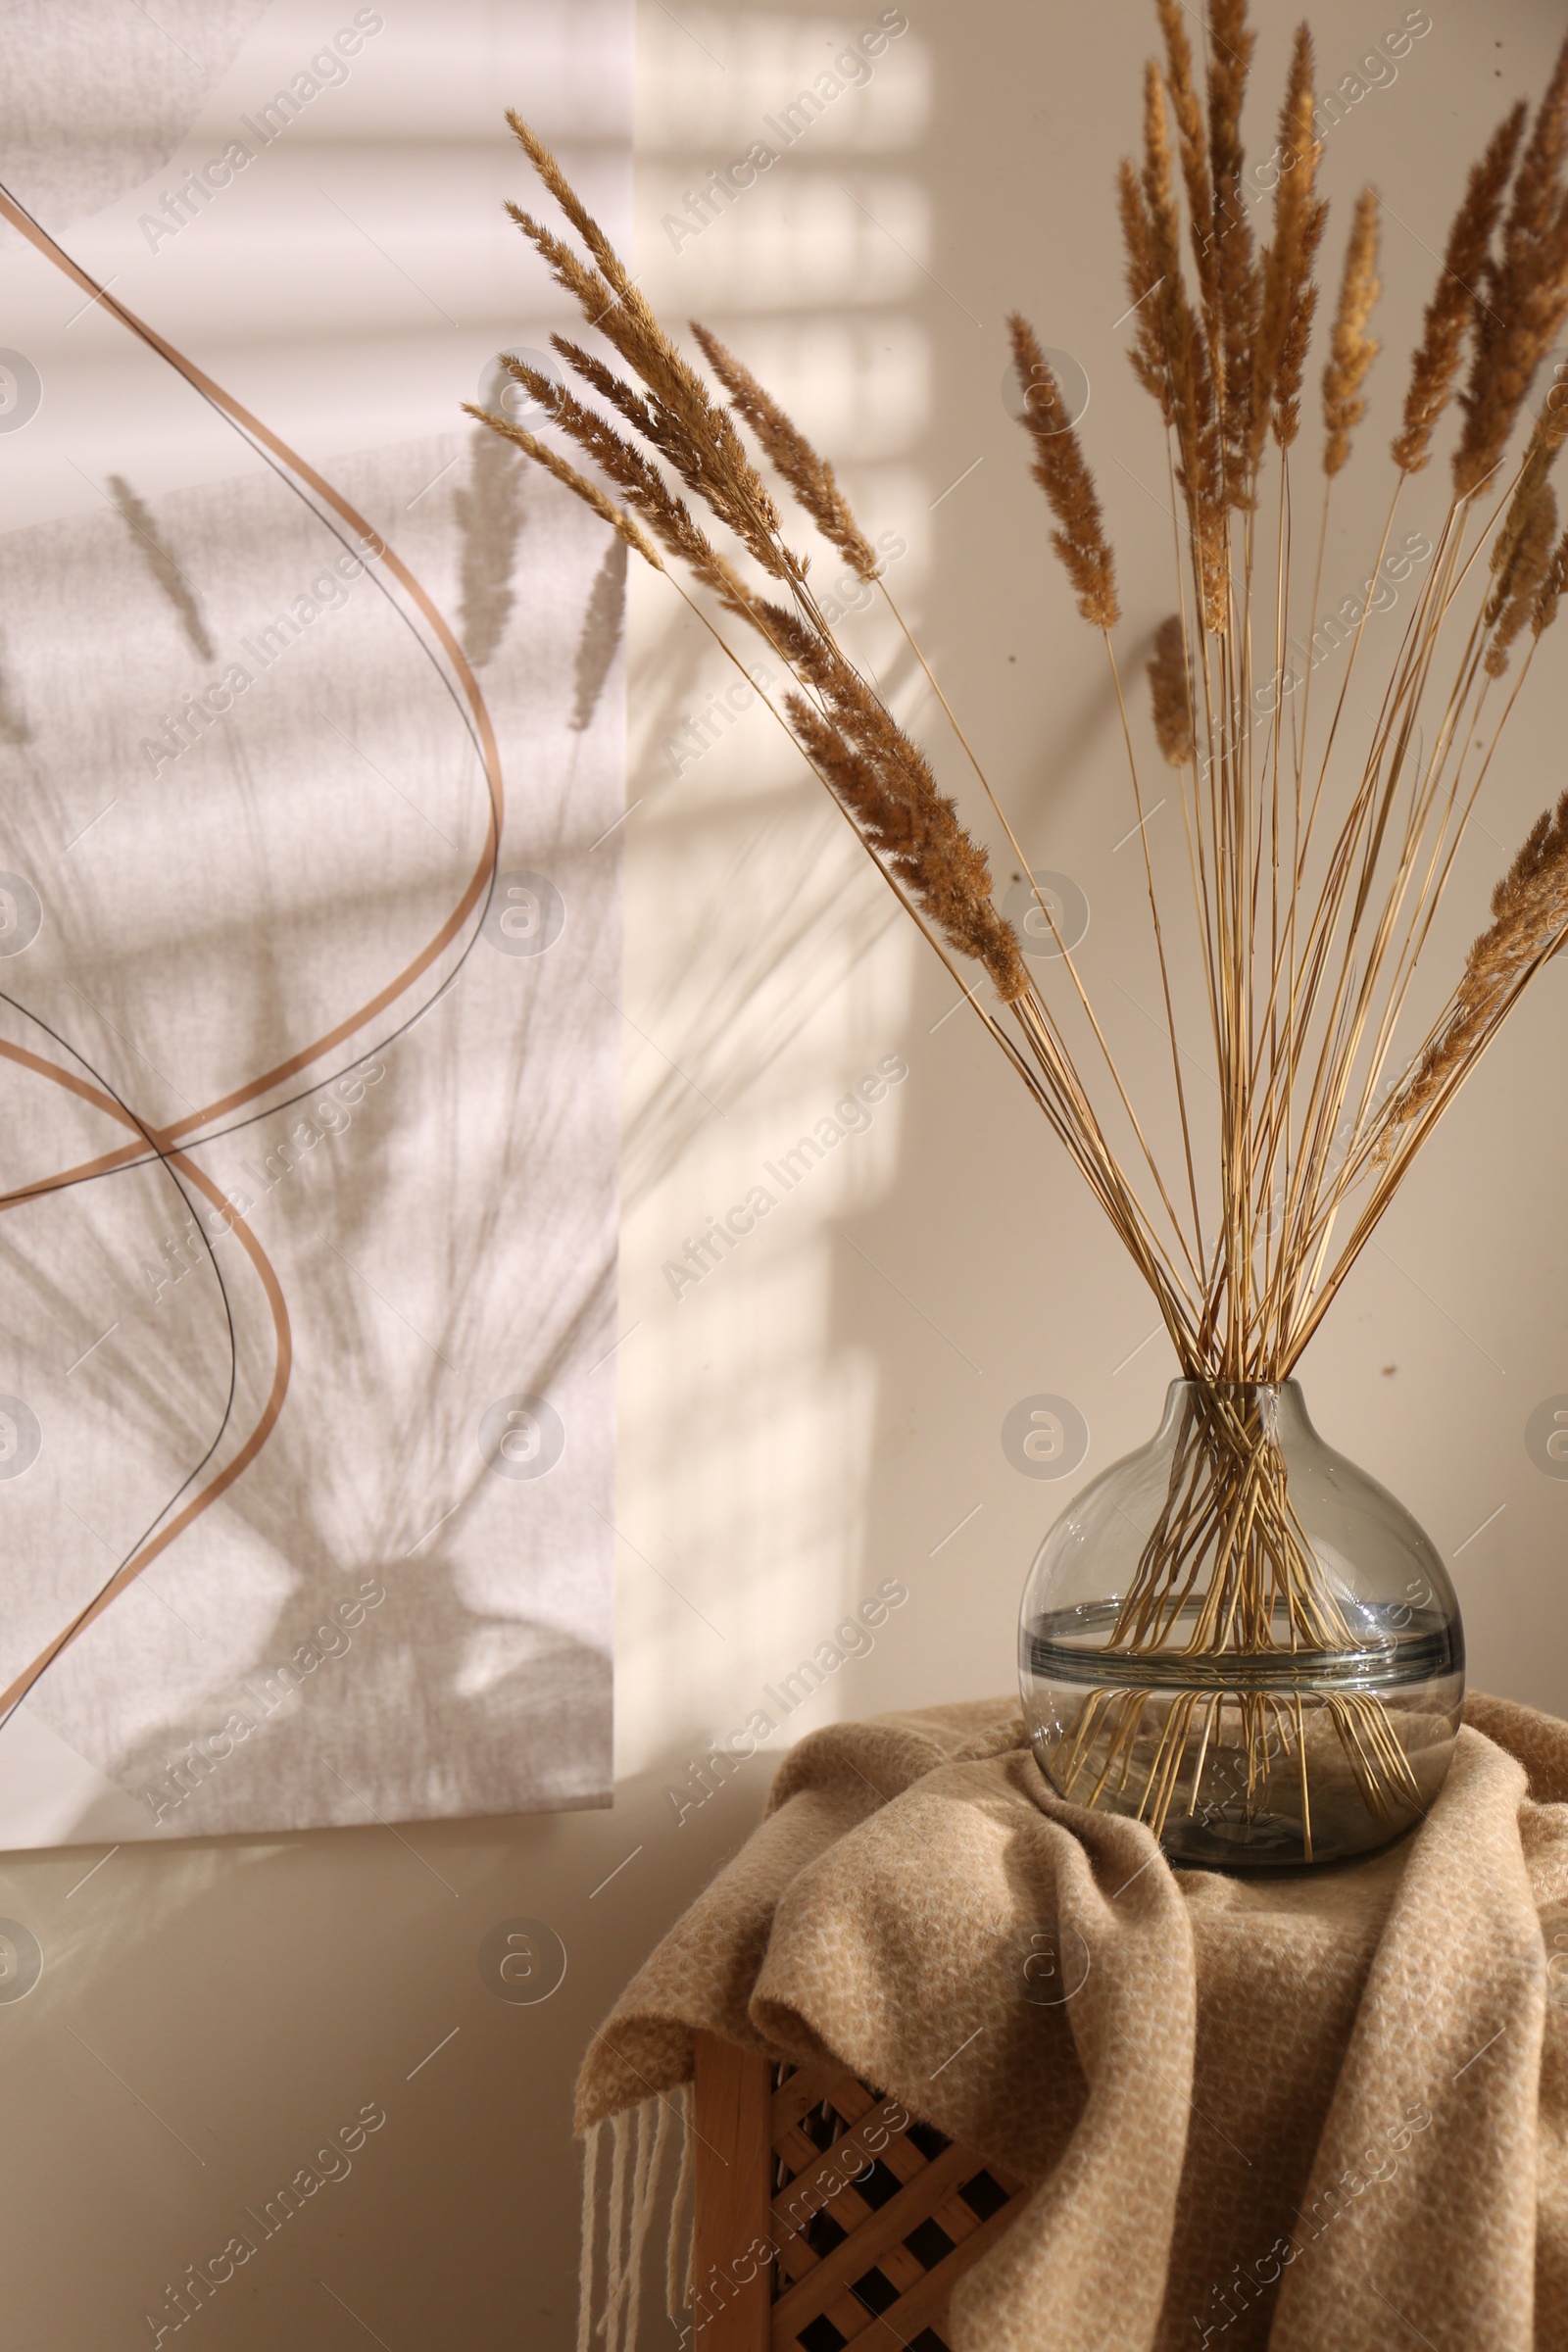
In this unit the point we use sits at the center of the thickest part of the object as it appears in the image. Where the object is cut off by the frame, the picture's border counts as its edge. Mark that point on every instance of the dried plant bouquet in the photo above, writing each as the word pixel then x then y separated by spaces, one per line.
pixel 1315 860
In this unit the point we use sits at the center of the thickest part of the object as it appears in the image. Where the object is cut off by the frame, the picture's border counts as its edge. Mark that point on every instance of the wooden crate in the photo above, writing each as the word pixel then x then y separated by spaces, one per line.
pixel 822 2211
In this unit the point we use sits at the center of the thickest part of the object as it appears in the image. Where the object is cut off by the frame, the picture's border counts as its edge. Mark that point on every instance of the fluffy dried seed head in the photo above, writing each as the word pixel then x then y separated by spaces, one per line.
pixel 1138 205
pixel 693 433
pixel 668 517
pixel 1069 486
pixel 1513 601
pixel 1529 926
pixel 1171 355
pixel 1538 460
pixel 1436 363
pixel 1522 296
pixel 1289 293
pixel 624 525
pixel 1352 350
pixel 570 202
pixel 1193 145
pixel 1231 44
pixel 884 783
pixel 811 477
pixel 880 776
pixel 1238 281
pixel 1551 588
pixel 1170 682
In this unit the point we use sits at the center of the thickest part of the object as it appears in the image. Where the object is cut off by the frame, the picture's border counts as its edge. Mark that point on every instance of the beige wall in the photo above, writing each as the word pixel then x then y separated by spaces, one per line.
pixel 821 1415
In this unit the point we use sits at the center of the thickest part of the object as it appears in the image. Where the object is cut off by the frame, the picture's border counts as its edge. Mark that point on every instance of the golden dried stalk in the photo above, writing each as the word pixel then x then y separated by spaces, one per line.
pixel 1065 479
pixel 1354 348
pixel 645 416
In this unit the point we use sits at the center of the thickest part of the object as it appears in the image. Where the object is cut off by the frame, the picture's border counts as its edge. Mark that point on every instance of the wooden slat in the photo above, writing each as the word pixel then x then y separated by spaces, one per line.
pixel 845 2205
pixel 797 2256
pixel 959 2219
pixel 849 2206
pixel 903 2160
pixel 732 2183
pixel 865 2247
pixel 744 2120
pixel 826 2170
pixel 804 2090
pixel 925 2304
pixel 850 2100
pixel 900 2268
pixel 956 2217
pixel 797 2149
pixel 922 2300
pixel 1012 2184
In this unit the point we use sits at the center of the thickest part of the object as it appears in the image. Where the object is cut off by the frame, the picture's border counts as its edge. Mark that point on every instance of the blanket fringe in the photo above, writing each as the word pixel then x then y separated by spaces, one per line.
pixel 590 2215
pixel 640 2142
pixel 682 2251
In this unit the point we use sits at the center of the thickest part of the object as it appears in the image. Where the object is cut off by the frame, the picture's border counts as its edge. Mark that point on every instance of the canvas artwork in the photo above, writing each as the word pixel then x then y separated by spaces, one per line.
pixel 312 752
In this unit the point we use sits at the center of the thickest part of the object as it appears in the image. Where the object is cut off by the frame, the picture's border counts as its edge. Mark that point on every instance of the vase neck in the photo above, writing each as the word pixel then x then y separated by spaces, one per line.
pixel 1278 1404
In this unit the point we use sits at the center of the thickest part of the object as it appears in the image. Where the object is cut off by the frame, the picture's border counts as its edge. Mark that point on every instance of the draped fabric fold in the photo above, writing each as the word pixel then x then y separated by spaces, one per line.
pixel 1291 2111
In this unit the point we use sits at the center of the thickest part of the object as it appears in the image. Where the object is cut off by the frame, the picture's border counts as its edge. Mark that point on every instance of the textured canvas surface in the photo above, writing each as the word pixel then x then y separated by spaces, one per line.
pixel 309 1078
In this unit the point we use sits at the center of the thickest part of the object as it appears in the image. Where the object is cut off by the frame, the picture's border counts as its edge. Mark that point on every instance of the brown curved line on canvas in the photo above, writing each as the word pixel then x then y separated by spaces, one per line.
pixel 242 1459
pixel 39 237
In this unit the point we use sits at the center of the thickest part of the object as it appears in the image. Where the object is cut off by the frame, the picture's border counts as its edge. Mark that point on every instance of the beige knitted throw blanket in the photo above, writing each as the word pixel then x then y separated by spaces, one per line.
pixel 1313 2112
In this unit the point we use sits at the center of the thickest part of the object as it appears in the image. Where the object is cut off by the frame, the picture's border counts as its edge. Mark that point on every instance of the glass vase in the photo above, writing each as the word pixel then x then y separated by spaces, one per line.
pixel 1239 1637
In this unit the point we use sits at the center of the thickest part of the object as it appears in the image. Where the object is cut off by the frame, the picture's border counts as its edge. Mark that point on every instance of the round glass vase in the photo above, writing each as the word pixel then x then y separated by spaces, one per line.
pixel 1239 1637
